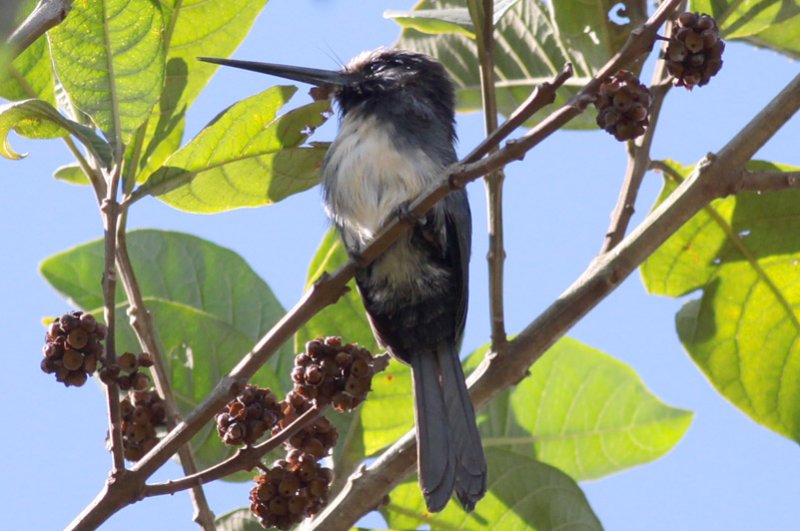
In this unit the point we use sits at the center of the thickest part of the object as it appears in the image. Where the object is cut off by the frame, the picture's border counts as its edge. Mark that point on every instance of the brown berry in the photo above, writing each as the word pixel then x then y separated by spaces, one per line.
pixel 72 359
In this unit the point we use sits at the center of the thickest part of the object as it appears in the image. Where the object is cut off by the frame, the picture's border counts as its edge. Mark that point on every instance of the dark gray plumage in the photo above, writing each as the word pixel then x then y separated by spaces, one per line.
pixel 396 138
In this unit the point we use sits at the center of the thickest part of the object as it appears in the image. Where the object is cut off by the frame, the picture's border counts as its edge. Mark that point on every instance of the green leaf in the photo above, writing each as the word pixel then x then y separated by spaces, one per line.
pixel 744 330
pixel 248 156
pixel 238 520
pixel 455 20
pixel 522 494
pixel 435 21
pixel 39 119
pixel 769 23
pixel 583 412
pixel 534 41
pixel 71 173
pixel 109 56
pixel 30 74
pixel 347 319
pixel 194 28
pixel 209 309
pixel 389 411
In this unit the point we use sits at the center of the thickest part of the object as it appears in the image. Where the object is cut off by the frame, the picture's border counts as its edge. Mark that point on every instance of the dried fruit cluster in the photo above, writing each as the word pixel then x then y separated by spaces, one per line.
pixel 73 347
pixel 292 489
pixel 328 372
pixel 331 373
pixel 694 52
pixel 623 106
pixel 125 372
pixel 142 412
pixel 249 416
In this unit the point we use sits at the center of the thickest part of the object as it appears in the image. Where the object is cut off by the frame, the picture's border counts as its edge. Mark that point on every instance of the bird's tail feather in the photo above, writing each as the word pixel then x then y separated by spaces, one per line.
pixel 464 436
pixel 449 447
pixel 434 452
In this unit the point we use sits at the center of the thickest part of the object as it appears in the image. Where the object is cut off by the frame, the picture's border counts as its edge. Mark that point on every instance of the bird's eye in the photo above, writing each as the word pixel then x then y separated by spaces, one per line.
pixel 375 68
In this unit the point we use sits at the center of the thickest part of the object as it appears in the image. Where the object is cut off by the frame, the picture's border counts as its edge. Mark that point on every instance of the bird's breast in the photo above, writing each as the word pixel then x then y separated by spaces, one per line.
pixel 369 172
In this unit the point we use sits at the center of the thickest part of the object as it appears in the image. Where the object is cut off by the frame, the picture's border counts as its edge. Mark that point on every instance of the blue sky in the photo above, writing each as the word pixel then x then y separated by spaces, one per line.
pixel 728 472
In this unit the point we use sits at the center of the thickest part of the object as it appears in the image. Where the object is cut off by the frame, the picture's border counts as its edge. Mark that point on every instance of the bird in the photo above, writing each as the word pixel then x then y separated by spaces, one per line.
pixel 396 138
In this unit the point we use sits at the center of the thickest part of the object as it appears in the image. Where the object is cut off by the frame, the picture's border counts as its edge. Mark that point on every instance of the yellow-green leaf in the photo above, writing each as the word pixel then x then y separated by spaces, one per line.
pixel 39 119
pixel 248 156
pixel 743 254
pixel 523 493
pixel 109 55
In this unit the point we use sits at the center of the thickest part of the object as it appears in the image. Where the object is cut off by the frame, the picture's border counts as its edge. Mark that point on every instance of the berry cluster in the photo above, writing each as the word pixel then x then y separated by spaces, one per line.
pixel 293 489
pixel 72 347
pixel 318 439
pixel 694 52
pixel 329 372
pixel 142 412
pixel 129 364
pixel 296 487
pixel 249 416
pixel 623 106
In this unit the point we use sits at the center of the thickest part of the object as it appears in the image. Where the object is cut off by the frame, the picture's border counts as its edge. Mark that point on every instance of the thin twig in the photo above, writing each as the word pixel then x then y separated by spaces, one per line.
pixel 142 324
pixel 493 182
pixel 713 177
pixel 46 15
pixel 541 96
pixel 638 160
pixel 110 211
pixel 244 459
pixel 96 180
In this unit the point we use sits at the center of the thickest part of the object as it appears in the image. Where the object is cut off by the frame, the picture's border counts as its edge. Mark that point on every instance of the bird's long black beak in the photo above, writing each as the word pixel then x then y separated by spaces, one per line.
pixel 320 78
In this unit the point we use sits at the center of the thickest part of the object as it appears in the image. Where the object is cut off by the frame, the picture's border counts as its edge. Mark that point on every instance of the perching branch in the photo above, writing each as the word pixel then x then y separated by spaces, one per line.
pixel 714 177
pixel 768 181
pixel 46 15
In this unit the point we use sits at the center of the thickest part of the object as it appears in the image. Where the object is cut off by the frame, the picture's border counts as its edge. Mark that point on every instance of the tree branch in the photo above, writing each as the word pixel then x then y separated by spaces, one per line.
pixel 638 158
pixel 46 15
pixel 768 181
pixel 244 459
pixel 541 96
pixel 110 211
pixel 493 182
pixel 712 178
pixel 142 323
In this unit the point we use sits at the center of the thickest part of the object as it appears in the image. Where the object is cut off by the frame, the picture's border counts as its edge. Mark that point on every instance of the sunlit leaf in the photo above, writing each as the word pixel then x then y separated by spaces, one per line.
pixel 770 23
pixel 248 156
pixel 71 173
pixel 523 493
pixel 582 411
pixel 194 28
pixel 238 520
pixel 109 56
pixel 743 254
pixel 534 41
pixel 39 119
